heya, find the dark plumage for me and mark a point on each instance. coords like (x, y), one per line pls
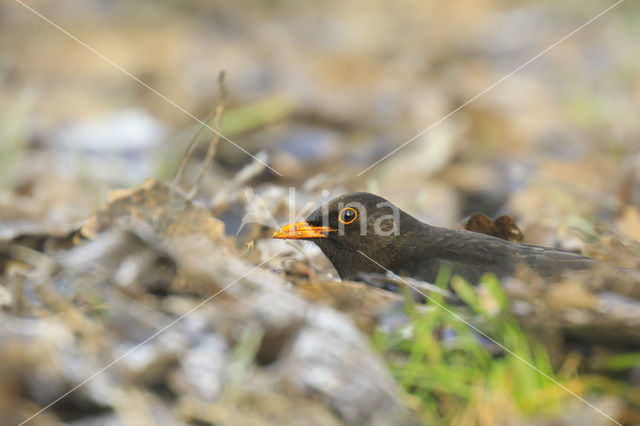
(383, 236)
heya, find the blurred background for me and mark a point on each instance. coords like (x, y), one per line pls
(323, 90)
(320, 92)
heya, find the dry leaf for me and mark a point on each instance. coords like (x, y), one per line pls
(503, 227)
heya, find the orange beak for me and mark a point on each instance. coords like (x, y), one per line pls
(301, 230)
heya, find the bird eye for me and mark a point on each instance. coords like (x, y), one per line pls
(347, 215)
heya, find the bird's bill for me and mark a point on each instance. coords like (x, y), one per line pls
(300, 230)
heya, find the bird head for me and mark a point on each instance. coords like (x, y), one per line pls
(352, 223)
(355, 217)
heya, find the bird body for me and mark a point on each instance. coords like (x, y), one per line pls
(363, 233)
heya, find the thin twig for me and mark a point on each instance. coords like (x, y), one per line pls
(189, 152)
(213, 144)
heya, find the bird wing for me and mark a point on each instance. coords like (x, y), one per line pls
(549, 262)
(472, 254)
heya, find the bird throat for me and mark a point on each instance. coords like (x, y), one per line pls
(348, 263)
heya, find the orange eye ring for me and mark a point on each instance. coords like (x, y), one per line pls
(343, 212)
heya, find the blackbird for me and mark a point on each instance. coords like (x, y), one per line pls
(363, 233)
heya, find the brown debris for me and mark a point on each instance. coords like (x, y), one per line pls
(360, 301)
(503, 227)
